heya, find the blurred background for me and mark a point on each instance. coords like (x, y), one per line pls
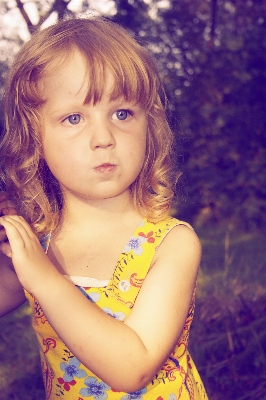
(212, 58)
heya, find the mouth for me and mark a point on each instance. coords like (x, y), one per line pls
(106, 167)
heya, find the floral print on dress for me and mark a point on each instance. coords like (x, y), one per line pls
(172, 396)
(49, 343)
(135, 395)
(39, 317)
(134, 244)
(94, 297)
(66, 385)
(149, 236)
(120, 316)
(66, 379)
(95, 389)
(44, 241)
(72, 370)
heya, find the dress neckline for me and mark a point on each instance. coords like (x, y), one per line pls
(85, 281)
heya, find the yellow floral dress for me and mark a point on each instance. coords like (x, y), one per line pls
(66, 378)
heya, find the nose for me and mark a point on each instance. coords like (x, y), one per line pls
(102, 135)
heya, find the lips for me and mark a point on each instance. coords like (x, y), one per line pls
(106, 167)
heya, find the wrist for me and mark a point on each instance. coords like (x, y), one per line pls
(44, 281)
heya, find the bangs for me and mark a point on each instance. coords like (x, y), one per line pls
(131, 80)
(106, 48)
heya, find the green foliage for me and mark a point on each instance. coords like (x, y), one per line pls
(212, 57)
(20, 374)
(216, 84)
(228, 337)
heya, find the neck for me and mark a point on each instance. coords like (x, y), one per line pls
(80, 211)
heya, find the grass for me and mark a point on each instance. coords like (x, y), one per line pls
(228, 336)
(20, 373)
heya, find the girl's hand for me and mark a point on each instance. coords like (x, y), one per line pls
(7, 207)
(31, 264)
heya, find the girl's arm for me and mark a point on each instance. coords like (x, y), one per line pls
(124, 355)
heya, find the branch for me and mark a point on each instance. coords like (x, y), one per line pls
(25, 16)
(213, 23)
(60, 6)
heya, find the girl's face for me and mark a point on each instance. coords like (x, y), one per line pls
(94, 151)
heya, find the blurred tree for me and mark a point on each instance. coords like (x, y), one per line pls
(45, 9)
(214, 64)
(211, 54)
(132, 14)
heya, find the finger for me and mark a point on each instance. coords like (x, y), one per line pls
(16, 239)
(4, 199)
(6, 249)
(9, 211)
(2, 234)
(7, 207)
(21, 225)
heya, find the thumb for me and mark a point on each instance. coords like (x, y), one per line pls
(6, 249)
(9, 211)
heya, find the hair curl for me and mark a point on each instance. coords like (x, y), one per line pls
(106, 47)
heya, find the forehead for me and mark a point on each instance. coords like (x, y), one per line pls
(71, 77)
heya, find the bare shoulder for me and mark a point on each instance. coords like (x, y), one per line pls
(182, 234)
(182, 246)
(170, 281)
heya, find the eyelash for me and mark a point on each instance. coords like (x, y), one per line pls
(71, 116)
(128, 113)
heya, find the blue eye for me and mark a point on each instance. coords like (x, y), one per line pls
(74, 119)
(122, 114)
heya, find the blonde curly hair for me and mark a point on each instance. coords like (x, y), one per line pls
(106, 47)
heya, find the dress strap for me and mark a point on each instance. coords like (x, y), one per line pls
(136, 259)
(45, 241)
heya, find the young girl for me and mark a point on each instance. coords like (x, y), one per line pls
(87, 160)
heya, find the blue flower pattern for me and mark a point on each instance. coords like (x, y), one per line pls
(135, 395)
(93, 296)
(95, 389)
(134, 244)
(71, 370)
(116, 315)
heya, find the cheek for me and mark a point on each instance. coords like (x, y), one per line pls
(143, 146)
(59, 152)
(139, 145)
(137, 148)
(58, 160)
(137, 154)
